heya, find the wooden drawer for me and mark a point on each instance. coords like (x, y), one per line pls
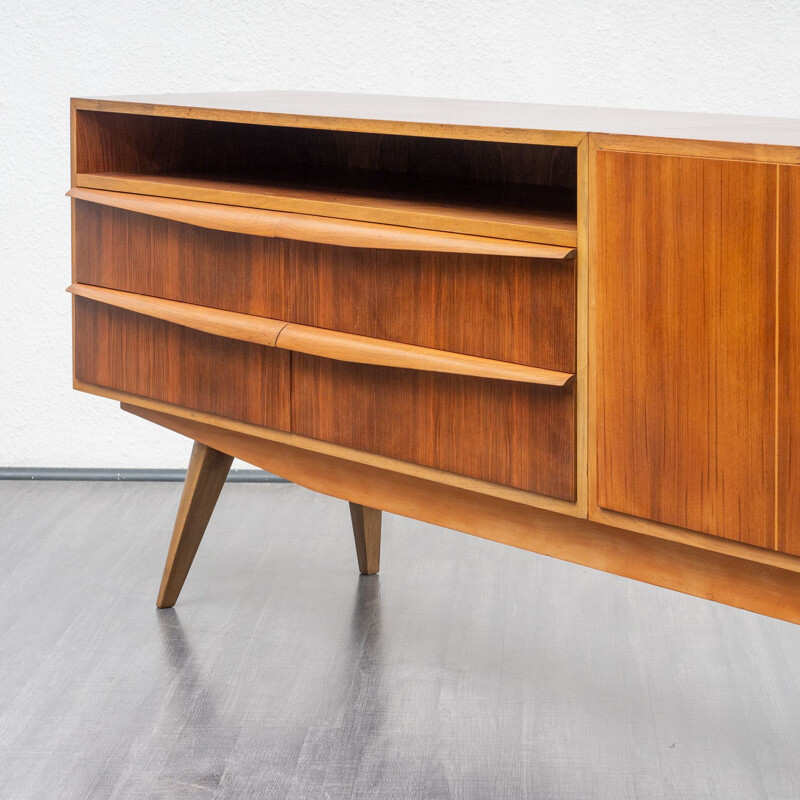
(134, 353)
(510, 433)
(503, 431)
(506, 308)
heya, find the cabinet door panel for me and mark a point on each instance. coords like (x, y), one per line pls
(789, 363)
(685, 325)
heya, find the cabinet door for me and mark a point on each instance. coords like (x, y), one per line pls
(685, 357)
(789, 363)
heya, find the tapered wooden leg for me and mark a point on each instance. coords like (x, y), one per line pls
(367, 532)
(205, 478)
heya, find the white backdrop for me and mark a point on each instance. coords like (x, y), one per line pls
(737, 56)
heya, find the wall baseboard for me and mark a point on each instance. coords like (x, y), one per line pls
(159, 475)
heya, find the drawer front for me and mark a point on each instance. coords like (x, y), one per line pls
(145, 356)
(514, 434)
(506, 308)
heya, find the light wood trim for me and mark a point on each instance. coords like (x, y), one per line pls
(660, 530)
(438, 476)
(582, 330)
(205, 478)
(591, 382)
(787, 531)
(73, 161)
(319, 341)
(433, 130)
(73, 144)
(697, 148)
(230, 324)
(367, 535)
(365, 350)
(777, 350)
(457, 119)
(724, 577)
(322, 230)
(462, 215)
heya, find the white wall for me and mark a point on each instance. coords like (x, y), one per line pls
(738, 56)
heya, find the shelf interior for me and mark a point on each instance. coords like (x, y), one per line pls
(543, 214)
(509, 191)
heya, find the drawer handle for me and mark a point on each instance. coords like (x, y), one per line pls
(319, 341)
(322, 230)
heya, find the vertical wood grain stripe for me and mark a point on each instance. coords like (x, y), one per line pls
(788, 530)
(776, 429)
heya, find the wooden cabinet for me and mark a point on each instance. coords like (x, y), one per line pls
(686, 321)
(573, 331)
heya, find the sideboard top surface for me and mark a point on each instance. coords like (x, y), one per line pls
(420, 115)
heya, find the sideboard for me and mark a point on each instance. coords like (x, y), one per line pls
(570, 330)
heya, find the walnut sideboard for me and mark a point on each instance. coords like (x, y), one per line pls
(571, 330)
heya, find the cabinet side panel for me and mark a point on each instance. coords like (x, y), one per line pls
(788, 535)
(686, 342)
(126, 142)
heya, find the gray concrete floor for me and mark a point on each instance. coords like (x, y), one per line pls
(465, 670)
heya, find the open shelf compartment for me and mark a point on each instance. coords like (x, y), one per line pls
(502, 190)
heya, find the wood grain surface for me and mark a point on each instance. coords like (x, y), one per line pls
(367, 534)
(430, 474)
(205, 478)
(322, 230)
(228, 324)
(508, 309)
(379, 352)
(685, 325)
(475, 427)
(515, 434)
(318, 341)
(693, 539)
(149, 357)
(123, 142)
(788, 429)
(506, 210)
